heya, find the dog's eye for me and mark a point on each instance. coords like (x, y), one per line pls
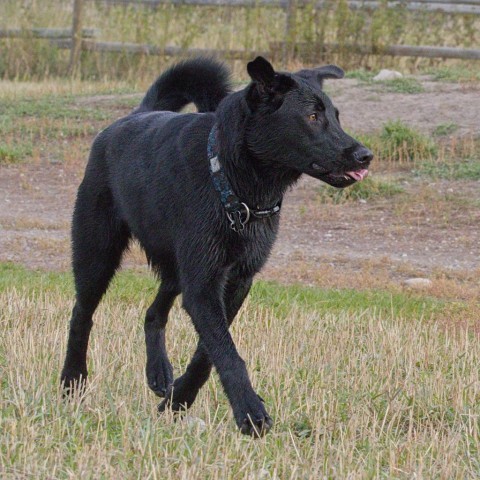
(313, 117)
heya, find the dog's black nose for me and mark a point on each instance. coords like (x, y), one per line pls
(363, 155)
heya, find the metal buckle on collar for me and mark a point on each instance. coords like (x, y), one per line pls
(268, 212)
(237, 223)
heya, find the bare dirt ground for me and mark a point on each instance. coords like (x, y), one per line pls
(432, 230)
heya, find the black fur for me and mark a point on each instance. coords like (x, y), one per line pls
(148, 178)
(201, 81)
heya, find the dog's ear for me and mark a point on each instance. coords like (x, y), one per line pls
(268, 87)
(329, 71)
(318, 75)
(262, 72)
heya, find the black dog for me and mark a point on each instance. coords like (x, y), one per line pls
(201, 192)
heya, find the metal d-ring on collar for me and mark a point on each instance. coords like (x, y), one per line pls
(238, 223)
(238, 212)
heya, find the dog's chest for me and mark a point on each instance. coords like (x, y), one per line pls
(251, 247)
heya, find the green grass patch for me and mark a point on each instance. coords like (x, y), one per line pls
(397, 134)
(397, 85)
(130, 287)
(127, 286)
(283, 298)
(66, 107)
(444, 129)
(51, 107)
(461, 169)
(455, 74)
(14, 153)
(362, 75)
(30, 121)
(19, 277)
(404, 85)
(368, 189)
(398, 142)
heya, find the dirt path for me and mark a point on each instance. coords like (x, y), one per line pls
(431, 230)
(366, 107)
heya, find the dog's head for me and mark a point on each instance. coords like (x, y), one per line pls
(294, 123)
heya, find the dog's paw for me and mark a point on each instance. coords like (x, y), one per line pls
(252, 419)
(160, 377)
(73, 383)
(256, 427)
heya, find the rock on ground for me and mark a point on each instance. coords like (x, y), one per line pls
(418, 283)
(387, 75)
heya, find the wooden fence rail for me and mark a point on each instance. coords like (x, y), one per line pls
(446, 6)
(47, 33)
(167, 51)
(302, 50)
(391, 50)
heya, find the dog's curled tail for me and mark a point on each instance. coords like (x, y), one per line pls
(203, 81)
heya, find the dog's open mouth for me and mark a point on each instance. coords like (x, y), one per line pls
(342, 180)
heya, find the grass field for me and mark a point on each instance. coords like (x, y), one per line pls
(361, 384)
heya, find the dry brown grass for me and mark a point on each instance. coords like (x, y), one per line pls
(32, 223)
(13, 89)
(356, 394)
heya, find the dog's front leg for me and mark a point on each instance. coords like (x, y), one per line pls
(186, 388)
(205, 306)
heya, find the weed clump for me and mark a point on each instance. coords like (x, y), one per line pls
(445, 129)
(399, 143)
(404, 85)
(13, 153)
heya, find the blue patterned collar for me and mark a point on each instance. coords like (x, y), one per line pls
(238, 212)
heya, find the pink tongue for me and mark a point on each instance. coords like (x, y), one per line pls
(358, 175)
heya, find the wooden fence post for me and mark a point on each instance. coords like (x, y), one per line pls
(76, 43)
(290, 32)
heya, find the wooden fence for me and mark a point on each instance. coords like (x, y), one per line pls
(79, 38)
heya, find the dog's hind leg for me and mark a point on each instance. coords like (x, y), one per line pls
(159, 370)
(186, 387)
(99, 240)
